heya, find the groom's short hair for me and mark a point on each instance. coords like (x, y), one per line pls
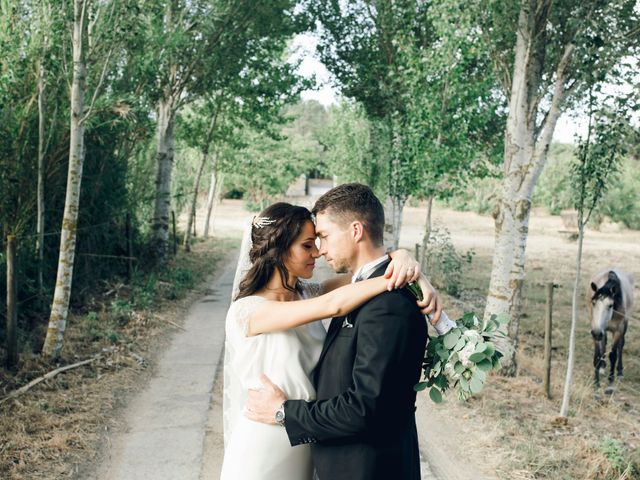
(353, 201)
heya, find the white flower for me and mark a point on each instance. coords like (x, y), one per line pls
(472, 335)
(465, 353)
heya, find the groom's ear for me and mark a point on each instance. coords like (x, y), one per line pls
(357, 231)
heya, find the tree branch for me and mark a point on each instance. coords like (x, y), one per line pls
(98, 87)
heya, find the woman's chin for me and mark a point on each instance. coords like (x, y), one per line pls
(307, 274)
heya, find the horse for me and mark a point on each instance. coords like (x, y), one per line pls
(610, 298)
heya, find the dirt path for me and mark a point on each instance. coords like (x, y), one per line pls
(165, 423)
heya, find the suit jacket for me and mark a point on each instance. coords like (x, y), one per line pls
(362, 425)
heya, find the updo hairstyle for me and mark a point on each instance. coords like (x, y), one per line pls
(270, 246)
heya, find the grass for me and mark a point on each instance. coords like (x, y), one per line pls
(55, 430)
(602, 437)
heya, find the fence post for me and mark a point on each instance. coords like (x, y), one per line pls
(175, 239)
(12, 303)
(418, 252)
(129, 234)
(547, 339)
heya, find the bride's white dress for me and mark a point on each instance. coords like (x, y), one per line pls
(254, 451)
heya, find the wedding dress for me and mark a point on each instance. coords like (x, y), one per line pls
(254, 451)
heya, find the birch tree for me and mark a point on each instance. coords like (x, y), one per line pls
(85, 34)
(559, 47)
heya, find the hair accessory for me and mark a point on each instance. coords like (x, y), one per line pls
(260, 222)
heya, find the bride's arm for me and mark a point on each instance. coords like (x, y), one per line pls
(402, 269)
(278, 316)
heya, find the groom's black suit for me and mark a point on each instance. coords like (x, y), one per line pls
(362, 425)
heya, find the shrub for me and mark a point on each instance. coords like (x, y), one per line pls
(444, 264)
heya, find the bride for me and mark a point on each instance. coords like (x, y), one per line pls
(272, 328)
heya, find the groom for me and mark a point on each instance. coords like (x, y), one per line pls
(362, 425)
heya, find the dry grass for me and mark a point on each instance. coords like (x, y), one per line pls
(55, 429)
(601, 438)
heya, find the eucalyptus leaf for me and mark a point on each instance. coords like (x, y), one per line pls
(485, 365)
(418, 387)
(475, 385)
(477, 357)
(435, 395)
(464, 384)
(451, 339)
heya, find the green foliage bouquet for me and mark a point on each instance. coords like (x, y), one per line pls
(462, 357)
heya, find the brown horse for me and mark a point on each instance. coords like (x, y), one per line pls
(610, 302)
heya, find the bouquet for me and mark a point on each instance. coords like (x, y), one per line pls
(462, 357)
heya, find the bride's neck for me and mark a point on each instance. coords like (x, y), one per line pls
(275, 289)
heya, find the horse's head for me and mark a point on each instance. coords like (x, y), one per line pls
(604, 301)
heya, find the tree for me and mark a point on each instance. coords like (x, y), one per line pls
(202, 46)
(597, 159)
(101, 46)
(423, 87)
(561, 49)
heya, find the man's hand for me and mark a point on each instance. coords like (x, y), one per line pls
(263, 404)
(402, 269)
(431, 302)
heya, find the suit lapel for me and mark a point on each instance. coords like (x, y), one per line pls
(332, 333)
(336, 322)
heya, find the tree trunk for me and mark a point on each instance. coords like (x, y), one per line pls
(60, 308)
(526, 148)
(397, 196)
(218, 194)
(40, 194)
(393, 221)
(210, 197)
(194, 202)
(164, 160)
(196, 182)
(566, 397)
(215, 186)
(427, 235)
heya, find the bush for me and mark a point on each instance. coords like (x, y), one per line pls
(480, 196)
(444, 264)
(553, 189)
(621, 203)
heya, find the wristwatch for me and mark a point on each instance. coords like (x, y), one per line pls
(280, 415)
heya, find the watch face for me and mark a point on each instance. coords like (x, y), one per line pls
(279, 416)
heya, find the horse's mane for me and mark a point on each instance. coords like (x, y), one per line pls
(611, 289)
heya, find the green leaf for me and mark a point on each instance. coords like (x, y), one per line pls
(418, 387)
(496, 362)
(477, 357)
(435, 395)
(481, 347)
(485, 365)
(480, 375)
(476, 385)
(451, 338)
(490, 350)
(458, 367)
(460, 345)
(464, 384)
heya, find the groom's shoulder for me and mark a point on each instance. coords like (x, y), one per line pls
(399, 300)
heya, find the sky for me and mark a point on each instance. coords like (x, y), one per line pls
(304, 46)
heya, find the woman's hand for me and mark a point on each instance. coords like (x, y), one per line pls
(431, 303)
(403, 269)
